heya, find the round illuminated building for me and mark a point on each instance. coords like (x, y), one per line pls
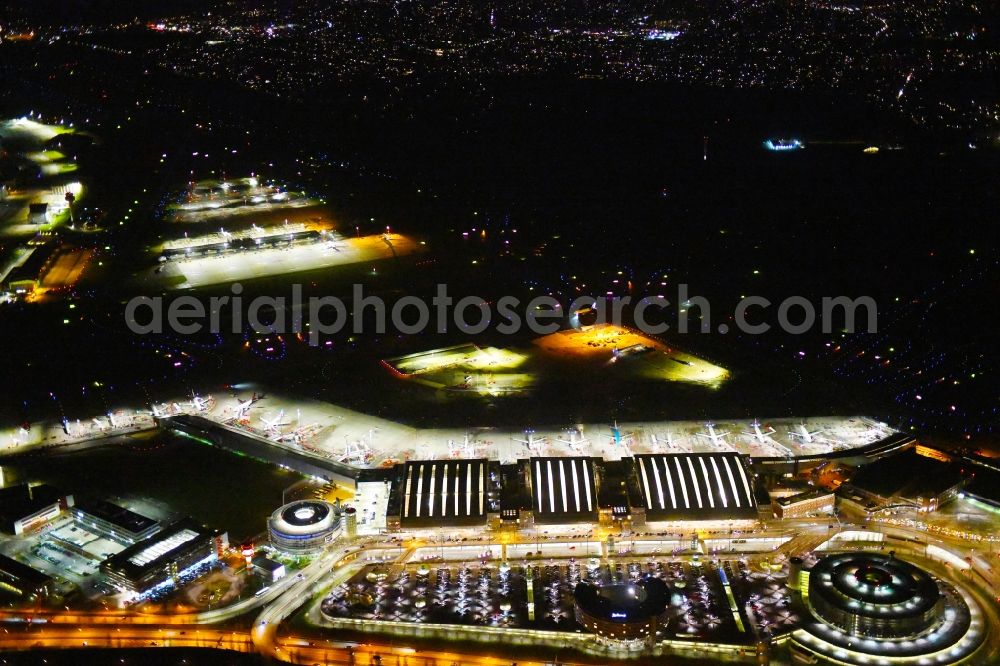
(304, 526)
(866, 594)
(874, 609)
(623, 614)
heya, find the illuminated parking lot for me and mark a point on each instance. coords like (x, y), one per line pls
(633, 352)
(598, 349)
(484, 370)
(538, 595)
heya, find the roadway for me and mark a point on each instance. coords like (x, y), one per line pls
(265, 627)
(26, 629)
(50, 636)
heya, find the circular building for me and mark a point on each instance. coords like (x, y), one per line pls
(304, 526)
(869, 609)
(623, 613)
(873, 595)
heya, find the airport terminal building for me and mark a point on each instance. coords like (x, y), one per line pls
(643, 489)
(919, 477)
(694, 487)
(443, 493)
(563, 490)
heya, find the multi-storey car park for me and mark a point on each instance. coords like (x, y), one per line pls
(874, 608)
(304, 526)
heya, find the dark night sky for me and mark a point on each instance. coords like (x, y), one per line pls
(85, 11)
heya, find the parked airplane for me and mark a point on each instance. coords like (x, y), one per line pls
(617, 436)
(533, 443)
(467, 449)
(273, 424)
(801, 432)
(716, 437)
(660, 441)
(243, 406)
(760, 434)
(357, 451)
(198, 403)
(113, 421)
(576, 439)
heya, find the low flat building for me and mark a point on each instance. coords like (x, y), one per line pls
(164, 556)
(983, 480)
(272, 570)
(114, 522)
(514, 498)
(617, 490)
(909, 478)
(810, 502)
(25, 277)
(848, 499)
(38, 213)
(23, 580)
(24, 508)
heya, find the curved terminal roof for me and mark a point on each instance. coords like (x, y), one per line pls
(563, 490)
(444, 492)
(696, 486)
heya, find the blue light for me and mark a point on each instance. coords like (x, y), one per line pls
(662, 35)
(782, 145)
